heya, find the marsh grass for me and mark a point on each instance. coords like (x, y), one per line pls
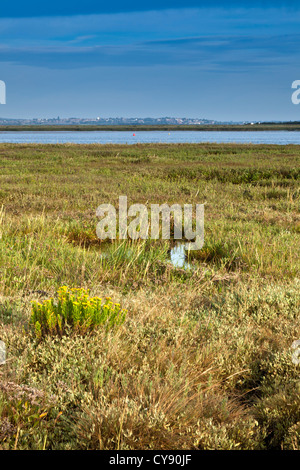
(203, 359)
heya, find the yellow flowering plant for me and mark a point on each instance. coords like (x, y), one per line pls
(74, 309)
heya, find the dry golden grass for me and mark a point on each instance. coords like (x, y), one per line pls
(203, 360)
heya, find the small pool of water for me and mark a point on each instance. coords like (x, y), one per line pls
(178, 256)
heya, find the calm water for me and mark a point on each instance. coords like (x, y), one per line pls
(124, 137)
(178, 256)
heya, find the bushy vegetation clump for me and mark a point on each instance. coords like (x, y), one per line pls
(74, 309)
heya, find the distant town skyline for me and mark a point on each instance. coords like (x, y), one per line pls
(107, 118)
(167, 120)
(126, 121)
(233, 62)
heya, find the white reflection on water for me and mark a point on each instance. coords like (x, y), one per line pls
(178, 256)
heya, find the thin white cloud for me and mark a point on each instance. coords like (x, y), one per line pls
(128, 27)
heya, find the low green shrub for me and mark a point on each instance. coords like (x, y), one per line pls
(74, 310)
(27, 417)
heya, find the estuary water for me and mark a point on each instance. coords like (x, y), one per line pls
(134, 137)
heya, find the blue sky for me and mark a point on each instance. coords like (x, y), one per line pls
(216, 60)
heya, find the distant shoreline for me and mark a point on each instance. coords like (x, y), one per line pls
(127, 128)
